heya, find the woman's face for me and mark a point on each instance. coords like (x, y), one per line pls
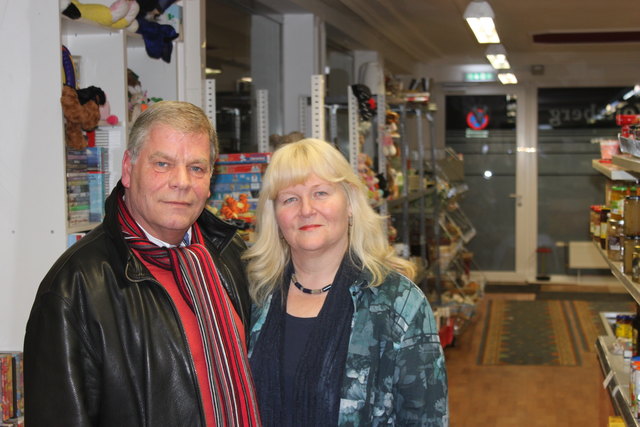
(314, 218)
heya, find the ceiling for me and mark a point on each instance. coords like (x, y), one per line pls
(408, 33)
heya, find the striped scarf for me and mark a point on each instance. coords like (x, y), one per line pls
(234, 402)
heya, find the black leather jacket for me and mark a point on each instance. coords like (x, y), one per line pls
(104, 344)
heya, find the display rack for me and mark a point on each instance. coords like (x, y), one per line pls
(627, 162)
(614, 367)
(612, 171)
(420, 211)
(616, 372)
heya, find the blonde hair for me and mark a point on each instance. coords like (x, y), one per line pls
(293, 164)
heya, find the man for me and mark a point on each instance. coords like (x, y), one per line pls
(143, 322)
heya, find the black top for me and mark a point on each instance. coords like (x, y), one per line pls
(296, 333)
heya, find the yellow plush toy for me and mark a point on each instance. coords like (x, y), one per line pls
(121, 13)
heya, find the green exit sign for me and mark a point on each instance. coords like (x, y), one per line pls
(480, 76)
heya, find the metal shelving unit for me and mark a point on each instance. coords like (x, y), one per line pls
(616, 372)
(615, 368)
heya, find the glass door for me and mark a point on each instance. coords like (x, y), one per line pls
(482, 130)
(571, 124)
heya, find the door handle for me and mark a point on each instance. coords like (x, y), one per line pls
(518, 198)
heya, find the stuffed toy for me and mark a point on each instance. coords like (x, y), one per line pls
(368, 176)
(79, 116)
(366, 103)
(233, 209)
(158, 38)
(105, 114)
(121, 13)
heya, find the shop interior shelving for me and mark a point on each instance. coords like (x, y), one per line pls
(615, 367)
(616, 371)
(422, 212)
(627, 162)
(612, 171)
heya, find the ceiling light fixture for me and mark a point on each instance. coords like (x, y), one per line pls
(507, 78)
(479, 16)
(497, 56)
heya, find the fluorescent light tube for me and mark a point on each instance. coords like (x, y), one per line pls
(497, 56)
(507, 78)
(479, 16)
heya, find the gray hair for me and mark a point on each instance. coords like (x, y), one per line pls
(181, 116)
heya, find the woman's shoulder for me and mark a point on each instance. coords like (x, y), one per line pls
(400, 293)
(397, 285)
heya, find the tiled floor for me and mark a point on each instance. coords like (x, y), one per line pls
(500, 396)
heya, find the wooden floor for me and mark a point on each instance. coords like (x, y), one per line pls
(528, 396)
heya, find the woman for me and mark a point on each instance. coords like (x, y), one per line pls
(340, 334)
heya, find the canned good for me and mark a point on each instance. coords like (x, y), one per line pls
(616, 202)
(594, 222)
(628, 244)
(635, 269)
(604, 219)
(632, 216)
(614, 239)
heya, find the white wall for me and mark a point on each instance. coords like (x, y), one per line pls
(31, 158)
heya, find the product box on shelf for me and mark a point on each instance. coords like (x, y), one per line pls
(227, 178)
(96, 196)
(236, 187)
(74, 237)
(17, 383)
(241, 168)
(97, 159)
(234, 158)
(11, 386)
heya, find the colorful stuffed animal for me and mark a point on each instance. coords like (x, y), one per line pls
(121, 13)
(78, 116)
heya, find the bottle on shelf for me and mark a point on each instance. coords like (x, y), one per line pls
(604, 220)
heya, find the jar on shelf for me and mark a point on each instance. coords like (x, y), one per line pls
(630, 242)
(635, 272)
(604, 221)
(632, 215)
(616, 202)
(615, 237)
(594, 222)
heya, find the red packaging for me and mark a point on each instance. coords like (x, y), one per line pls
(627, 119)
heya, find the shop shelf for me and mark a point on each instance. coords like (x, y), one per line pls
(627, 161)
(616, 268)
(612, 171)
(616, 372)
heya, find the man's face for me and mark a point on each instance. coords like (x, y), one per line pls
(168, 185)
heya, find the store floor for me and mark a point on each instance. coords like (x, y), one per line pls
(514, 395)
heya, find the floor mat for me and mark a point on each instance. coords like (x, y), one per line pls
(528, 333)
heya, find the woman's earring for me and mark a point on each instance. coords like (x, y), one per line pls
(350, 221)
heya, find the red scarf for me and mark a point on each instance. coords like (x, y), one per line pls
(233, 395)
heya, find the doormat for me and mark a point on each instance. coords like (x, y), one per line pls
(527, 333)
(589, 322)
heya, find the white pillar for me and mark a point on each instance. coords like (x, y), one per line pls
(303, 53)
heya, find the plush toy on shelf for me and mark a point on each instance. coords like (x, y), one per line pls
(369, 177)
(79, 116)
(121, 14)
(137, 96)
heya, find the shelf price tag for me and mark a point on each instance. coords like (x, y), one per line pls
(607, 379)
